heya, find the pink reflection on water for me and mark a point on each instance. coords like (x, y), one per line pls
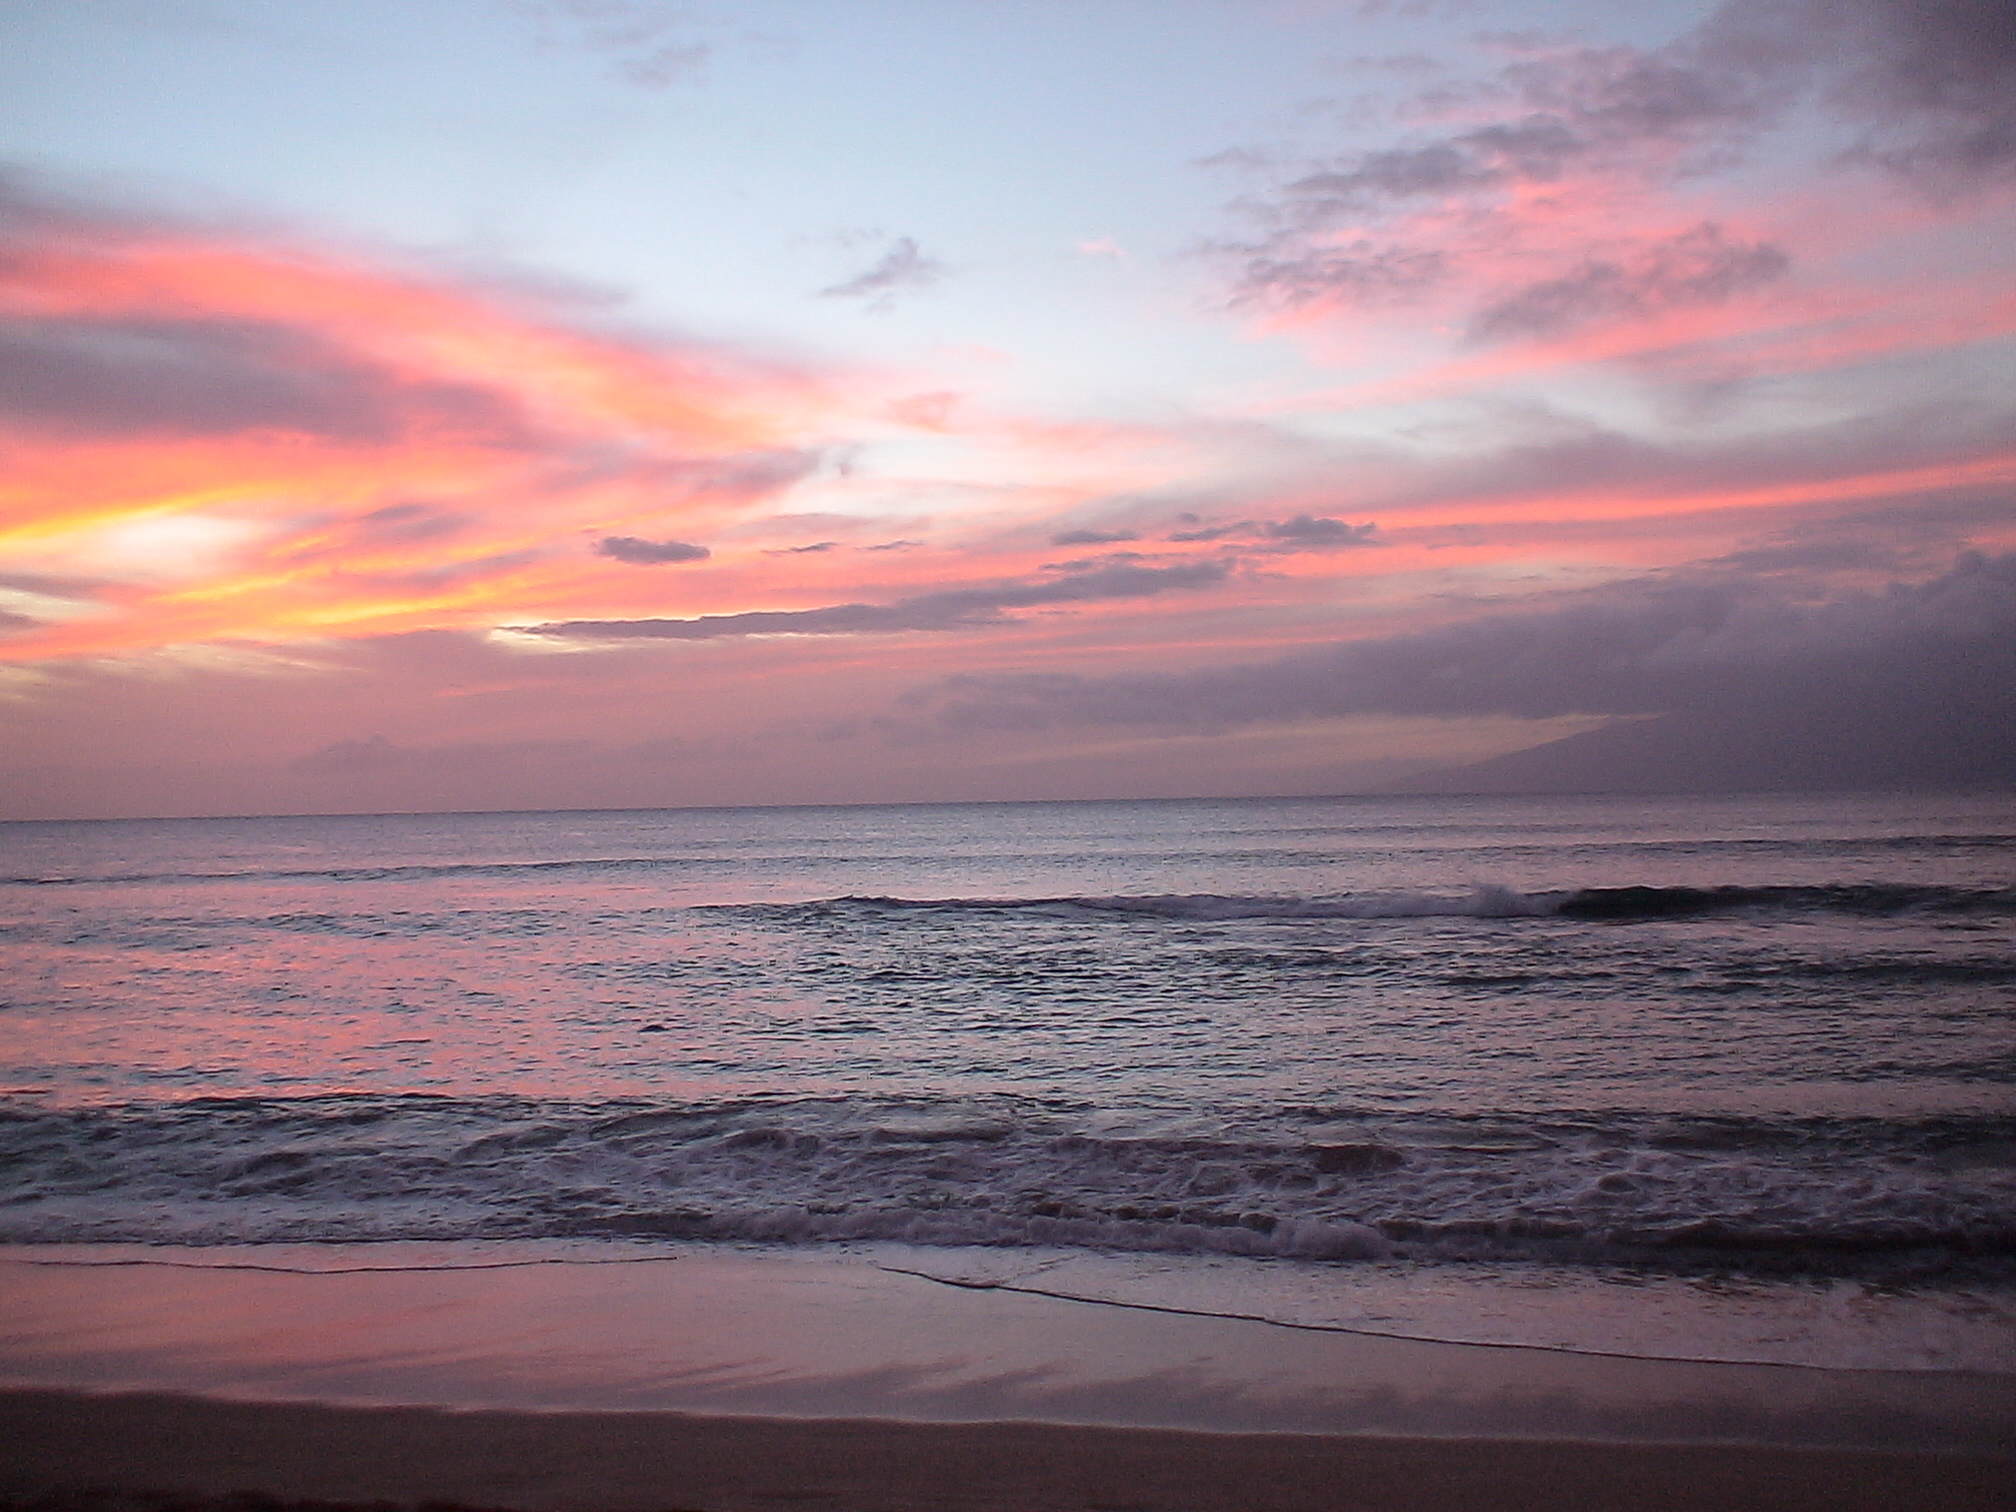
(467, 995)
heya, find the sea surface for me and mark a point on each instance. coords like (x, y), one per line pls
(1620, 1050)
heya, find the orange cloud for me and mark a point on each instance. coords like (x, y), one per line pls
(235, 438)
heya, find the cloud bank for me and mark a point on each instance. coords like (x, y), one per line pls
(1732, 648)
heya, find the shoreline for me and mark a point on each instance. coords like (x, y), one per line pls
(710, 1330)
(711, 1380)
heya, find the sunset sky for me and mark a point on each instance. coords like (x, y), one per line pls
(485, 404)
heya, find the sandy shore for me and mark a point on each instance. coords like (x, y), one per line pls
(720, 1381)
(655, 1462)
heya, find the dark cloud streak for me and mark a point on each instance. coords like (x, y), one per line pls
(952, 609)
(642, 553)
(1092, 537)
(118, 376)
(1301, 533)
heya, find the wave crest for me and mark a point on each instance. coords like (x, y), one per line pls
(1484, 901)
(1785, 1194)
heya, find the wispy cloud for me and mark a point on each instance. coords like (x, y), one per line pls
(1565, 189)
(645, 44)
(903, 269)
(949, 609)
(1699, 266)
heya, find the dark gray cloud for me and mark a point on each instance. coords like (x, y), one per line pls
(902, 269)
(1537, 148)
(1937, 76)
(1927, 742)
(815, 548)
(642, 553)
(1093, 564)
(1700, 266)
(1615, 106)
(1215, 532)
(1708, 644)
(953, 609)
(1828, 554)
(1092, 537)
(1300, 533)
(1314, 533)
(1360, 273)
(1936, 81)
(1903, 540)
(210, 377)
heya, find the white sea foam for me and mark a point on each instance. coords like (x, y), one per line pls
(1481, 902)
(1817, 1195)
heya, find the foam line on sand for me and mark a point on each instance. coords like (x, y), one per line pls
(724, 1380)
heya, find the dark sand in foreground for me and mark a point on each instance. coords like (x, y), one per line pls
(655, 1462)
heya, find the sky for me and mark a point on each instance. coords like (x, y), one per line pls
(507, 404)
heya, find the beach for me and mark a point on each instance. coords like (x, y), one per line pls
(656, 1462)
(721, 1380)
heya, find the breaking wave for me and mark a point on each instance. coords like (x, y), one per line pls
(1484, 902)
(1841, 1196)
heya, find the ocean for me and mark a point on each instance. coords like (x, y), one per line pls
(1717, 1077)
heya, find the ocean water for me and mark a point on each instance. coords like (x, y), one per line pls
(1626, 1049)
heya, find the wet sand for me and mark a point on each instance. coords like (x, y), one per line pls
(724, 1380)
